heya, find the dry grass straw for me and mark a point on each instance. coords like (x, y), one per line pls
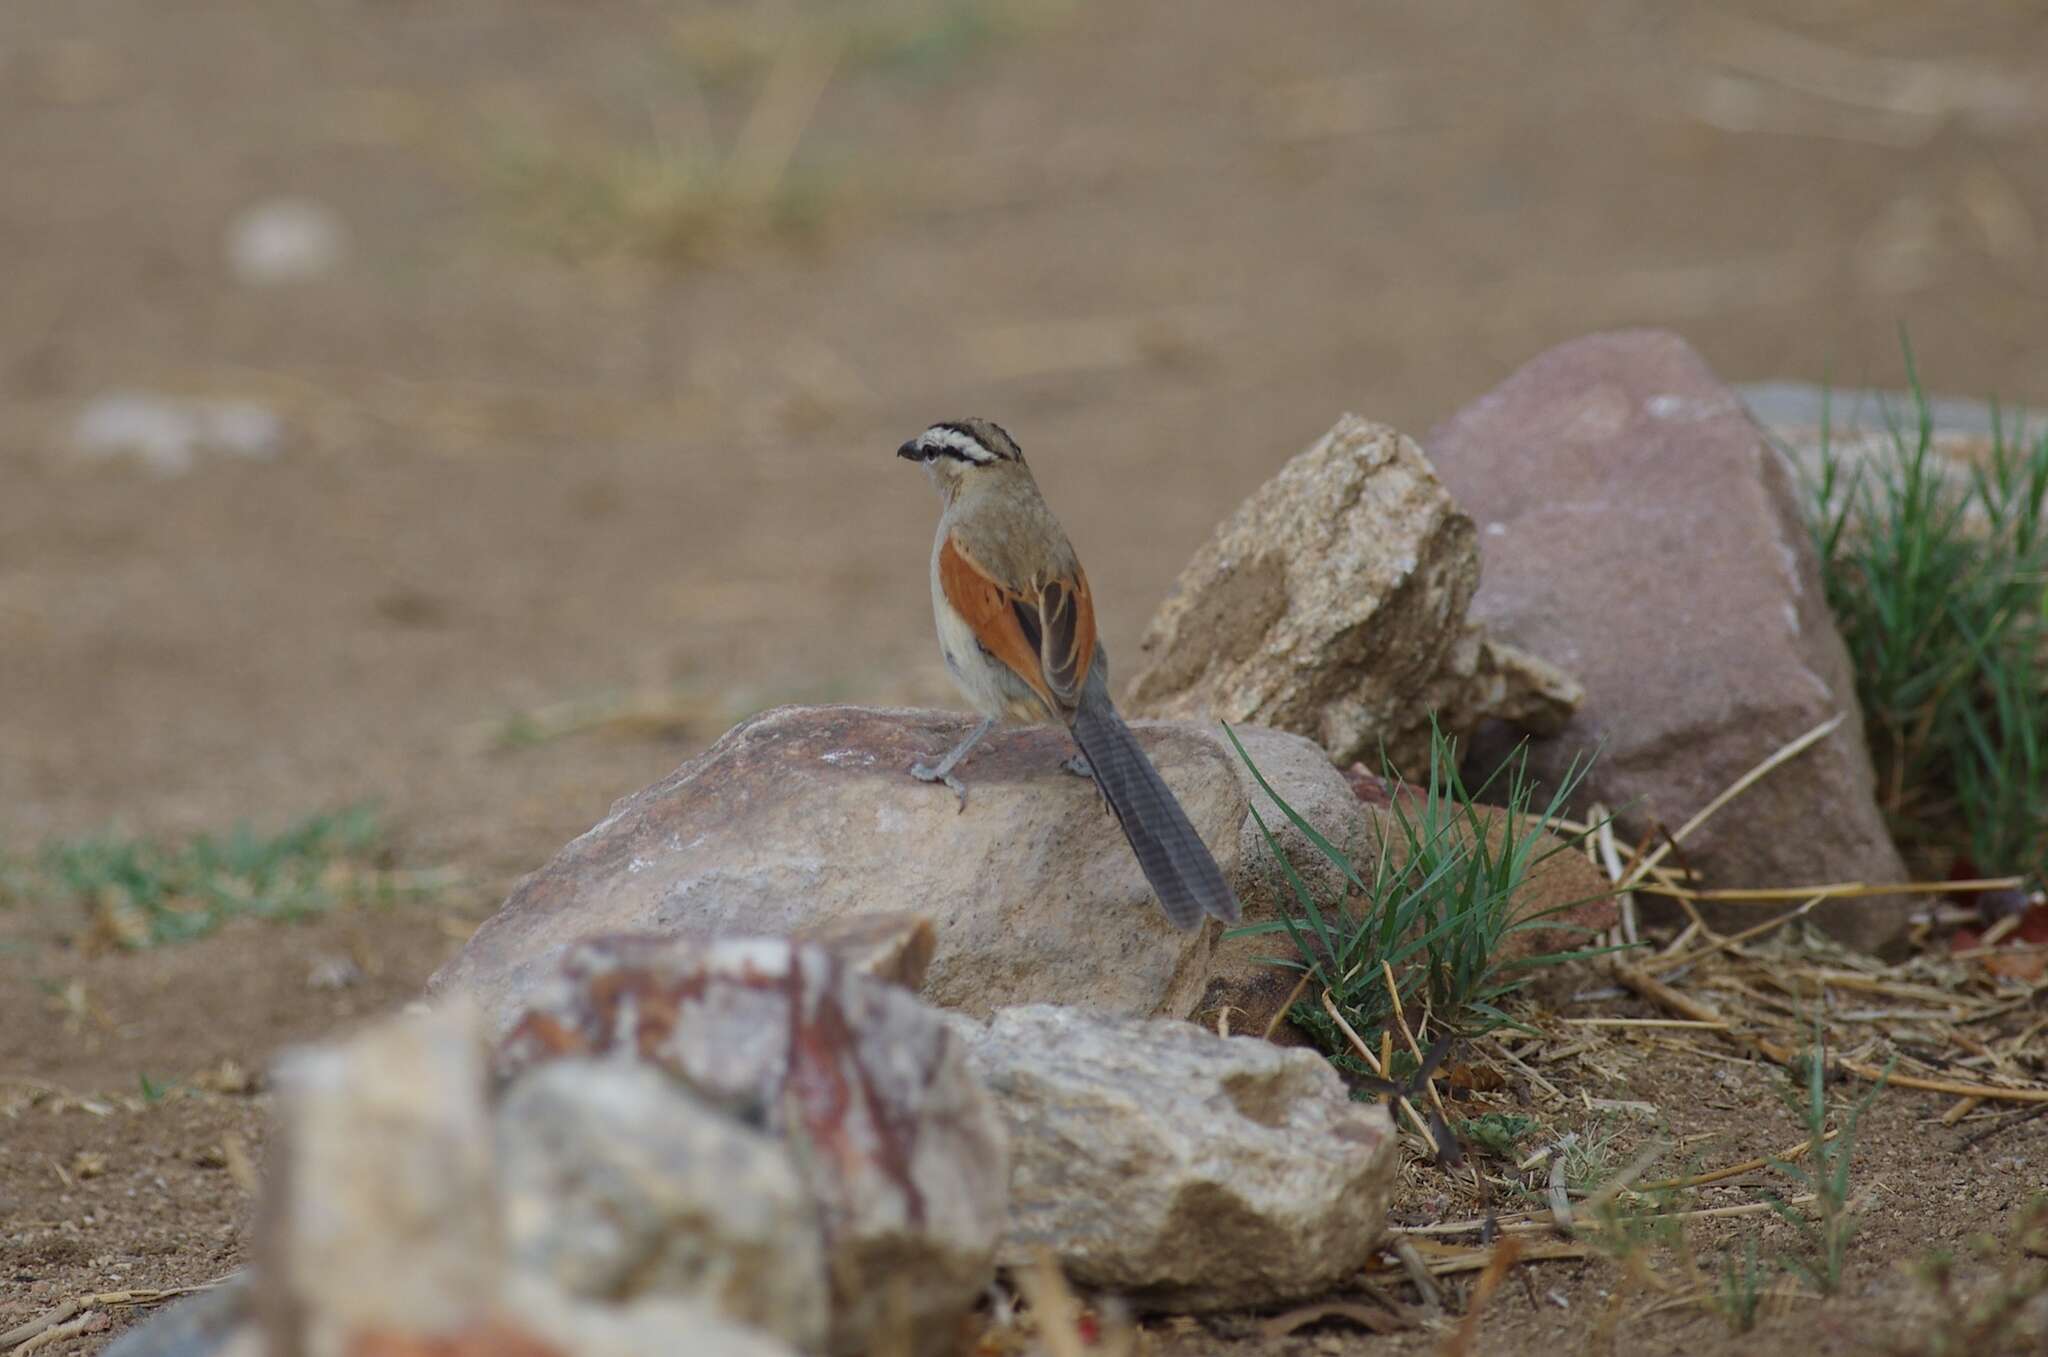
(1505, 1255)
(80, 1315)
(1929, 1022)
(1779, 991)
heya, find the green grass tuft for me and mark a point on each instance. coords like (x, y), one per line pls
(1825, 1241)
(142, 892)
(1740, 1291)
(1496, 1133)
(1442, 899)
(679, 206)
(1940, 587)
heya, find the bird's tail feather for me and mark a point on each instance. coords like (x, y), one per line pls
(1176, 862)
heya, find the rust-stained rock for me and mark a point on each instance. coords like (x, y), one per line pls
(894, 948)
(898, 1145)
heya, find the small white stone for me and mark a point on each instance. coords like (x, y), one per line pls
(167, 433)
(285, 240)
(241, 427)
(159, 433)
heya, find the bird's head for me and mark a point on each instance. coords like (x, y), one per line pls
(958, 451)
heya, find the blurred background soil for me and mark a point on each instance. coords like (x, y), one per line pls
(584, 421)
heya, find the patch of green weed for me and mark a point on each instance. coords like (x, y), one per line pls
(1739, 1292)
(1826, 1235)
(1443, 897)
(1940, 587)
(1496, 1133)
(142, 891)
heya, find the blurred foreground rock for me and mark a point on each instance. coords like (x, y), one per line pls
(1640, 531)
(805, 820)
(1182, 1169)
(215, 1323)
(381, 1219)
(742, 1150)
(619, 1184)
(1333, 604)
(893, 1139)
(382, 1227)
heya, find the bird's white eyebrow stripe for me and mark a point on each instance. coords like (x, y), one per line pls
(968, 446)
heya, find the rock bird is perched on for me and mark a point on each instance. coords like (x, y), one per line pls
(1017, 628)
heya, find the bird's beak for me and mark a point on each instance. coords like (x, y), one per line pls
(911, 451)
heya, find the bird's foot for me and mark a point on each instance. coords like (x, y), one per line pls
(1079, 766)
(941, 773)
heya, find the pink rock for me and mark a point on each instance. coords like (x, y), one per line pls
(1637, 530)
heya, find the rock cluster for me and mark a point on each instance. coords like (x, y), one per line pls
(747, 1147)
(695, 1088)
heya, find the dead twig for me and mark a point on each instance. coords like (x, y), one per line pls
(42, 1323)
(14, 1341)
(1838, 890)
(1972, 1141)
(1419, 1273)
(1459, 1343)
(1954, 1087)
(1737, 1170)
(1671, 963)
(1377, 1066)
(1287, 1005)
(92, 1321)
(1446, 1262)
(1657, 992)
(1736, 788)
(1376, 1321)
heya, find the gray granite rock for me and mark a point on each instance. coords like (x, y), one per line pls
(1185, 1170)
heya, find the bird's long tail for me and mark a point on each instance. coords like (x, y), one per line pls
(1176, 862)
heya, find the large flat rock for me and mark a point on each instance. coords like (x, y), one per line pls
(805, 817)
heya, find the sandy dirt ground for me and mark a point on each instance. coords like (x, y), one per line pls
(595, 413)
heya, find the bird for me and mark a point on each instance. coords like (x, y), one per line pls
(1016, 623)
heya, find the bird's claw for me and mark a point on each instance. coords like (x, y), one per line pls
(926, 773)
(1079, 766)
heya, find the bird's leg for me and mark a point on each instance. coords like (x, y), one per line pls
(943, 770)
